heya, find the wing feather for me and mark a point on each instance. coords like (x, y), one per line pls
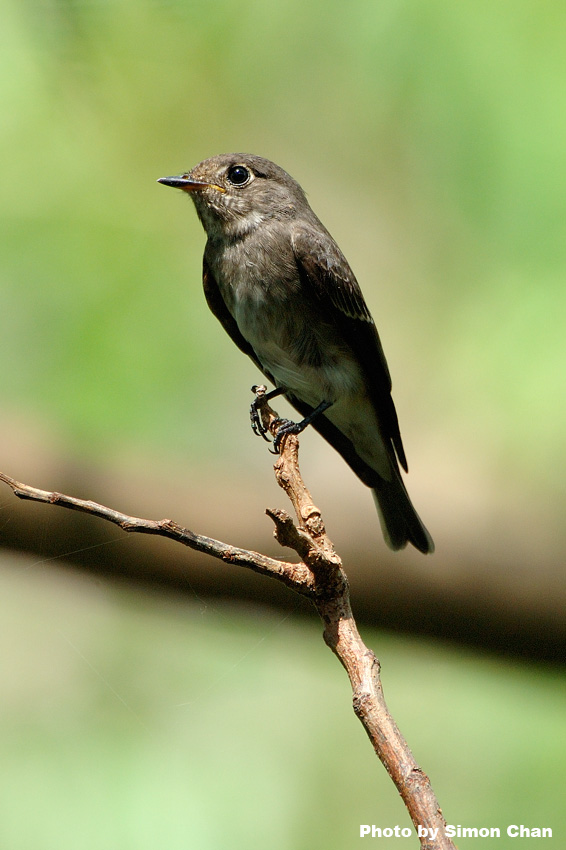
(325, 271)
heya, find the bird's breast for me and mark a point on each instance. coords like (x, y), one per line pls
(284, 326)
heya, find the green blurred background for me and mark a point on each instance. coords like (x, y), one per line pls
(431, 139)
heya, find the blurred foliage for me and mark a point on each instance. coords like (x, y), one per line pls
(135, 722)
(430, 137)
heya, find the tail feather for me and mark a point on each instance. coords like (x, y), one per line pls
(399, 521)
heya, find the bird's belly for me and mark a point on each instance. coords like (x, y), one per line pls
(305, 358)
(330, 376)
(339, 380)
(299, 350)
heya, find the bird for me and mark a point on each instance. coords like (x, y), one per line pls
(286, 295)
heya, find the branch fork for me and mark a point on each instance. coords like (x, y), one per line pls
(319, 575)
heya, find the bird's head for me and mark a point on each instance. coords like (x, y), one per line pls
(234, 193)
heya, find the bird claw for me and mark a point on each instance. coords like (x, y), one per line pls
(280, 427)
(255, 416)
(284, 428)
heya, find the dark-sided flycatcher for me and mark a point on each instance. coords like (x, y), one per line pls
(285, 293)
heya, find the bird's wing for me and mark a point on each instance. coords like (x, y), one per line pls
(325, 272)
(218, 306)
(329, 431)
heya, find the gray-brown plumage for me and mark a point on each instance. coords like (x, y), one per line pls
(285, 293)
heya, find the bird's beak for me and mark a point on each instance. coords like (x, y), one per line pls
(187, 184)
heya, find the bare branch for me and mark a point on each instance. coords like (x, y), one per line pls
(332, 601)
(319, 576)
(296, 576)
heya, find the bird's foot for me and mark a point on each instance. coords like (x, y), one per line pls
(284, 428)
(261, 398)
(255, 415)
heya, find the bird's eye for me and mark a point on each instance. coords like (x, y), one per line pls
(238, 175)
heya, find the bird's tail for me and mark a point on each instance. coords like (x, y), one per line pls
(399, 520)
